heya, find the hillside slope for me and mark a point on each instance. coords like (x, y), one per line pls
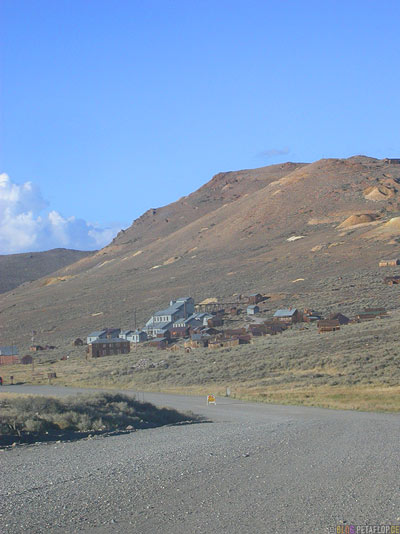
(277, 230)
(15, 269)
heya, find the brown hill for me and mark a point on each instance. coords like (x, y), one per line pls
(243, 231)
(15, 269)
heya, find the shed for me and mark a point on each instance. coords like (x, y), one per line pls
(328, 325)
(255, 298)
(159, 342)
(252, 309)
(27, 359)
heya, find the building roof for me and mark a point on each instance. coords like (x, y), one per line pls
(125, 332)
(253, 307)
(9, 350)
(171, 309)
(162, 325)
(254, 294)
(97, 333)
(112, 340)
(285, 312)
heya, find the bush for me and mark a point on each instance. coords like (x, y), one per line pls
(83, 413)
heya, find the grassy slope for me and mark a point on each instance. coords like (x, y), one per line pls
(357, 367)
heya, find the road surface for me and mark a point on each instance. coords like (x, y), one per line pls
(255, 468)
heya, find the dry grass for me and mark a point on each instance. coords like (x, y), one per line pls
(24, 417)
(357, 367)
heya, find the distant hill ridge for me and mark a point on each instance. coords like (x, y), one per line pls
(15, 269)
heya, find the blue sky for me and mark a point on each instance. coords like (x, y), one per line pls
(112, 108)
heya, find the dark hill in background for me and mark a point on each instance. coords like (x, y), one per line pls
(306, 234)
(15, 269)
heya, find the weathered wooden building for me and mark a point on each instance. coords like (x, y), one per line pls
(179, 331)
(9, 359)
(328, 325)
(197, 341)
(215, 321)
(288, 316)
(255, 298)
(107, 347)
(159, 342)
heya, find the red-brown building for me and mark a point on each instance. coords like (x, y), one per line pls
(255, 298)
(8, 360)
(9, 355)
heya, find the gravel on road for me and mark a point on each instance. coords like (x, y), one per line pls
(250, 468)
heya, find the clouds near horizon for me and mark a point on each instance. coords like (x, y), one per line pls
(27, 224)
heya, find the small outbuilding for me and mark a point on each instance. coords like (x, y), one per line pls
(255, 298)
(159, 342)
(328, 325)
(36, 348)
(26, 360)
(252, 309)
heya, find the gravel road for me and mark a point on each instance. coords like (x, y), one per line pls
(253, 468)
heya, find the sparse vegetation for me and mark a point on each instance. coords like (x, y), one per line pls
(25, 417)
(357, 367)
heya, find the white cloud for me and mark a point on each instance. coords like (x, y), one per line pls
(25, 226)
